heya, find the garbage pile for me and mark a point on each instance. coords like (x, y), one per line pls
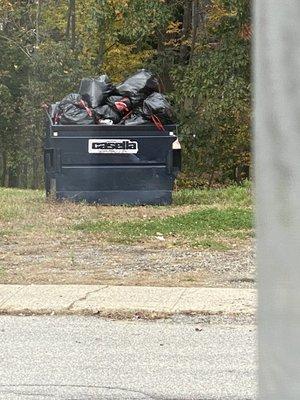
(136, 101)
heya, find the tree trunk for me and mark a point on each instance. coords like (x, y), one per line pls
(199, 9)
(71, 24)
(4, 169)
(101, 49)
(13, 178)
(167, 85)
(37, 23)
(24, 176)
(186, 29)
(195, 25)
(68, 23)
(211, 178)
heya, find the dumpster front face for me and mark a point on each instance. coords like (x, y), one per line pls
(110, 164)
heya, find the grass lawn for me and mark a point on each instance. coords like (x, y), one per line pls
(37, 233)
(190, 227)
(201, 218)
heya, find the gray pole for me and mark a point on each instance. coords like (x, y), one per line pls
(277, 154)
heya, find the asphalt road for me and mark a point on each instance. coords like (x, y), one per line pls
(86, 358)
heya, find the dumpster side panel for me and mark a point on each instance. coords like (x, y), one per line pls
(114, 178)
(110, 165)
(151, 150)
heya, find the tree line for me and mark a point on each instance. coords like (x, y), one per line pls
(199, 48)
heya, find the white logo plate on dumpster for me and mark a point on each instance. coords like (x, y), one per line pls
(113, 146)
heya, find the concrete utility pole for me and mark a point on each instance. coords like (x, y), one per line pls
(277, 148)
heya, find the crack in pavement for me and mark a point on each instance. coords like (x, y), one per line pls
(179, 298)
(69, 308)
(92, 397)
(119, 388)
(2, 303)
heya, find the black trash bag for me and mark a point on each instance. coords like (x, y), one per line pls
(137, 118)
(120, 103)
(157, 106)
(75, 115)
(73, 98)
(107, 112)
(138, 86)
(73, 110)
(95, 90)
(114, 98)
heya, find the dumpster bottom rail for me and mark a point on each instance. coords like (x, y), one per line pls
(124, 197)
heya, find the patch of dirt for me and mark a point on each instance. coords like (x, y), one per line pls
(84, 259)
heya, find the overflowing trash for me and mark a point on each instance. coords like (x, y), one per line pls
(156, 106)
(136, 119)
(95, 90)
(107, 112)
(122, 104)
(136, 101)
(139, 86)
(73, 110)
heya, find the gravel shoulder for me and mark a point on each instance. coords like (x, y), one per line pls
(80, 262)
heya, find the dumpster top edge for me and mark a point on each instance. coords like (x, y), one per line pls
(145, 127)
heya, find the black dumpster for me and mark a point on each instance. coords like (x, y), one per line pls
(111, 164)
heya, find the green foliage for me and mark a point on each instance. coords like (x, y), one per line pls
(212, 92)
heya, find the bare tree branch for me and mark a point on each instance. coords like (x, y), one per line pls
(16, 44)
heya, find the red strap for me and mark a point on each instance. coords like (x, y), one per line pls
(157, 122)
(121, 106)
(125, 117)
(87, 109)
(56, 119)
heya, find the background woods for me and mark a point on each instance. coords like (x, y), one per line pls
(200, 48)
